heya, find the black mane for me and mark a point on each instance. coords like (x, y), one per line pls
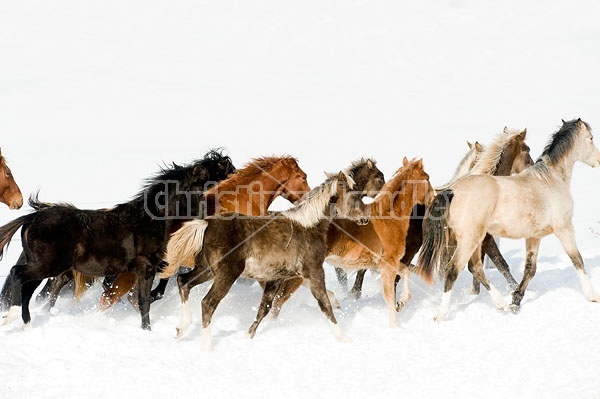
(561, 142)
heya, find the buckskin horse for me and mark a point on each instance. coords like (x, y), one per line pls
(531, 205)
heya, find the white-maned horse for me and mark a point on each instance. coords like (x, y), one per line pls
(530, 205)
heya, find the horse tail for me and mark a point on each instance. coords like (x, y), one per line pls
(80, 280)
(435, 235)
(183, 246)
(8, 230)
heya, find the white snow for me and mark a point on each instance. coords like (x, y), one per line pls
(94, 95)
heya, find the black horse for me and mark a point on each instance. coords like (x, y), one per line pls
(130, 237)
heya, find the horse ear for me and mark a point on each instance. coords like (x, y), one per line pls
(200, 172)
(420, 163)
(478, 147)
(523, 134)
(506, 131)
(0, 152)
(563, 121)
(580, 124)
(405, 161)
(469, 144)
(369, 164)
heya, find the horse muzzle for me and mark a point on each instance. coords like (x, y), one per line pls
(362, 221)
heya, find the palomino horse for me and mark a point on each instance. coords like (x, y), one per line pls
(368, 180)
(248, 191)
(381, 243)
(131, 237)
(269, 249)
(530, 205)
(507, 154)
(10, 194)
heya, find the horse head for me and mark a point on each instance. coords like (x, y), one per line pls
(294, 187)
(10, 193)
(348, 202)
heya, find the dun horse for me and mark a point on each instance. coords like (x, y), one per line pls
(128, 238)
(381, 243)
(249, 191)
(530, 205)
(507, 154)
(269, 249)
(368, 180)
(10, 194)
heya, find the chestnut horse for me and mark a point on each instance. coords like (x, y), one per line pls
(381, 243)
(10, 194)
(249, 191)
(530, 205)
(269, 249)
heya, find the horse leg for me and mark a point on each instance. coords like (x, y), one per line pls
(476, 269)
(145, 271)
(58, 284)
(532, 246)
(342, 277)
(225, 276)
(27, 291)
(389, 271)
(490, 248)
(315, 275)
(567, 239)
(286, 290)
(270, 290)
(356, 291)
(46, 290)
(404, 298)
(120, 286)
(186, 281)
(159, 291)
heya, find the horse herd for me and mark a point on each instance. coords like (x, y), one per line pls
(214, 219)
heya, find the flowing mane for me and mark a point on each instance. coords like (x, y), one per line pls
(394, 184)
(561, 142)
(252, 169)
(491, 155)
(357, 165)
(311, 210)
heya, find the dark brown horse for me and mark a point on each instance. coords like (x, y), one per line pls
(248, 191)
(270, 249)
(130, 237)
(10, 194)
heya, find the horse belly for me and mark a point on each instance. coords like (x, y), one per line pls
(266, 270)
(353, 262)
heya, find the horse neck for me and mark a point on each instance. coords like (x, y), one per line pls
(563, 169)
(314, 209)
(393, 200)
(504, 167)
(244, 198)
(463, 168)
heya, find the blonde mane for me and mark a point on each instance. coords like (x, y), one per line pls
(491, 155)
(312, 209)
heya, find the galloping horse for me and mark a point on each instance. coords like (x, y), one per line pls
(381, 243)
(368, 180)
(10, 194)
(507, 154)
(270, 249)
(131, 237)
(530, 205)
(248, 191)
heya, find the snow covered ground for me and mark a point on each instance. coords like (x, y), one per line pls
(94, 95)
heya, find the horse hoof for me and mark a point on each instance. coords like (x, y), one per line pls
(515, 308)
(400, 305)
(354, 295)
(27, 327)
(180, 333)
